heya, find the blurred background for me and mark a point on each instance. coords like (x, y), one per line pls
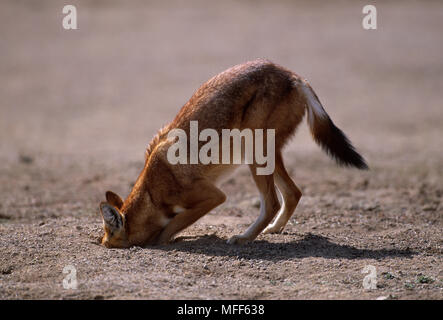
(92, 98)
(104, 89)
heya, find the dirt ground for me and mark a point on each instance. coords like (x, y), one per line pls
(78, 108)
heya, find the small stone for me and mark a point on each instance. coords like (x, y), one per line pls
(6, 270)
(26, 159)
(255, 202)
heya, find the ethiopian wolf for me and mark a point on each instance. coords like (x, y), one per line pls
(169, 196)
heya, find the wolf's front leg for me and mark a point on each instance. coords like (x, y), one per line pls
(201, 198)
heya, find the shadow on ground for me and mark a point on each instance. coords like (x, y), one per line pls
(309, 246)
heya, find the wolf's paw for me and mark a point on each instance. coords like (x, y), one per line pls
(273, 229)
(163, 240)
(240, 239)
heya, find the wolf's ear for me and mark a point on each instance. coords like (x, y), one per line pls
(111, 217)
(114, 199)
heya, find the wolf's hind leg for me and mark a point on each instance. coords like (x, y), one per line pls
(290, 193)
(268, 207)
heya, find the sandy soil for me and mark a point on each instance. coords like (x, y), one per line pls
(77, 109)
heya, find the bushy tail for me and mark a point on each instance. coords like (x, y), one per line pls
(330, 138)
